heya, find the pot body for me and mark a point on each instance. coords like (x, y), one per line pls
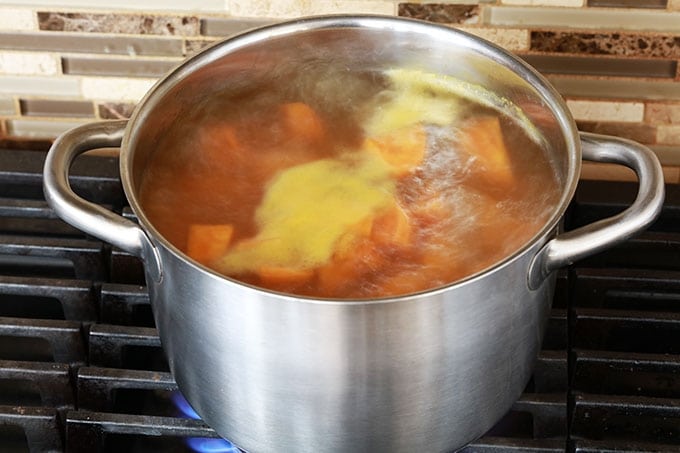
(276, 373)
(424, 372)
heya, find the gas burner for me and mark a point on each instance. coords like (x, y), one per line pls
(82, 370)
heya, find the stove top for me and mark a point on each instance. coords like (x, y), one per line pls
(82, 370)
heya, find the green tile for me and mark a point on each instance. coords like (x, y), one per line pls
(92, 43)
(615, 88)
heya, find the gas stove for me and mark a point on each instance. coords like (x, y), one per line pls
(82, 369)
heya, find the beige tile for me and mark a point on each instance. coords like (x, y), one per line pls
(17, 19)
(674, 5)
(40, 86)
(668, 134)
(56, 108)
(296, 8)
(40, 128)
(569, 3)
(29, 63)
(115, 88)
(612, 172)
(8, 106)
(583, 18)
(630, 112)
(616, 88)
(514, 40)
(662, 113)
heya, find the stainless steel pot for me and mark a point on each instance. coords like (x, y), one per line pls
(424, 372)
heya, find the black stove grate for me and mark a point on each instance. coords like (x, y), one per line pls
(81, 368)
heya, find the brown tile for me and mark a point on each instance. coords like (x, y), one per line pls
(23, 143)
(602, 66)
(642, 133)
(115, 110)
(662, 113)
(612, 172)
(606, 172)
(667, 154)
(92, 43)
(657, 4)
(440, 13)
(58, 108)
(144, 24)
(215, 26)
(125, 67)
(629, 44)
(192, 46)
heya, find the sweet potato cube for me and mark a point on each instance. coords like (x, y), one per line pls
(207, 243)
(302, 122)
(346, 244)
(277, 277)
(484, 139)
(345, 269)
(219, 143)
(392, 227)
(403, 149)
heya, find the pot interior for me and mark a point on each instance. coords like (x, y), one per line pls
(335, 49)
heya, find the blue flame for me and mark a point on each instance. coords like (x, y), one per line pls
(184, 407)
(211, 445)
(201, 444)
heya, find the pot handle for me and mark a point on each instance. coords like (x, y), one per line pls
(595, 237)
(85, 215)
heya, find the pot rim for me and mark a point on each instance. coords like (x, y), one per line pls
(475, 44)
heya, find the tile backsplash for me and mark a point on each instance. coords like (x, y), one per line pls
(68, 62)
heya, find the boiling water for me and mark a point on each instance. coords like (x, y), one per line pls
(369, 224)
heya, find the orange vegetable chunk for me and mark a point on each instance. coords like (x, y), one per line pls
(484, 139)
(206, 243)
(392, 227)
(403, 149)
(303, 123)
(347, 267)
(282, 277)
(220, 143)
